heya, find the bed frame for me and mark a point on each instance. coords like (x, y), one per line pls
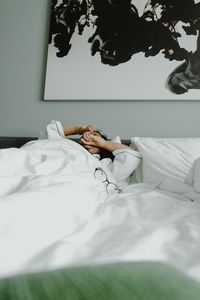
(14, 142)
(17, 142)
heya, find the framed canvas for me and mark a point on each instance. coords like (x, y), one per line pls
(124, 50)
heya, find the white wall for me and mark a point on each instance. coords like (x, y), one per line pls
(23, 47)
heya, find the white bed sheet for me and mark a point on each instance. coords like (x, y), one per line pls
(54, 213)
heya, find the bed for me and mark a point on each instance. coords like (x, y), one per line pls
(63, 237)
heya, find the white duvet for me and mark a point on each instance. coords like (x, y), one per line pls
(54, 213)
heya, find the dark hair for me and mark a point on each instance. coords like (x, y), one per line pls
(103, 152)
(177, 89)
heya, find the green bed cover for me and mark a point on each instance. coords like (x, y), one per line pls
(121, 281)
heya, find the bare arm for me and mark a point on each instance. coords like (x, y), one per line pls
(112, 146)
(71, 129)
(97, 141)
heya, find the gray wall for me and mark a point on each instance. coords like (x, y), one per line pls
(23, 47)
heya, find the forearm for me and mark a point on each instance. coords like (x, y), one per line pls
(70, 129)
(112, 146)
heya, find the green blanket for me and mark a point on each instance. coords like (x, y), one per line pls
(122, 281)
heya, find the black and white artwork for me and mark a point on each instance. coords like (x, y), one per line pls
(124, 50)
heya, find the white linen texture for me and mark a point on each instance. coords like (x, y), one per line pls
(189, 188)
(55, 214)
(166, 157)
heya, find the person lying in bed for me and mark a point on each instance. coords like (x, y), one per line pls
(121, 160)
(94, 141)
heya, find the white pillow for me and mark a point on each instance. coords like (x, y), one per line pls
(163, 157)
(116, 139)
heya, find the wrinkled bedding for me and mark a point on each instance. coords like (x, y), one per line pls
(189, 188)
(55, 214)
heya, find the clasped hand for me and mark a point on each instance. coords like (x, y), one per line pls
(91, 138)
